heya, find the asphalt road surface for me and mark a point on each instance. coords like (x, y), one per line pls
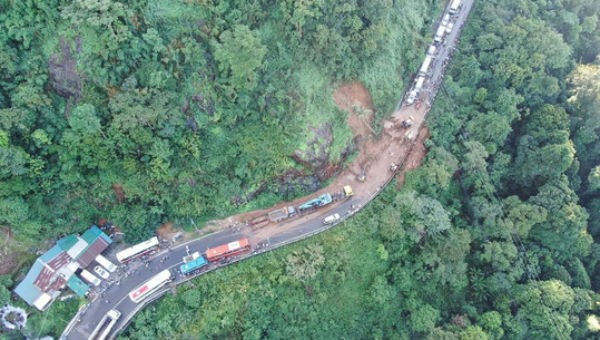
(115, 295)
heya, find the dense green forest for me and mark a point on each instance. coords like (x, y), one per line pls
(148, 111)
(494, 237)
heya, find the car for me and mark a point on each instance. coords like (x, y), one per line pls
(101, 272)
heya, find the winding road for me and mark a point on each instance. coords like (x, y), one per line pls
(115, 295)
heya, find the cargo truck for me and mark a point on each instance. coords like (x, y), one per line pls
(193, 266)
(314, 203)
(455, 6)
(425, 66)
(439, 35)
(89, 277)
(282, 214)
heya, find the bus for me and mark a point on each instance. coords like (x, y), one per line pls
(193, 266)
(104, 262)
(146, 247)
(106, 324)
(89, 277)
(229, 249)
(150, 286)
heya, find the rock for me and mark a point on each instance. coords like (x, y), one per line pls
(316, 156)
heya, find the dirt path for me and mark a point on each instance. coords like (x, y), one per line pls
(396, 144)
(375, 155)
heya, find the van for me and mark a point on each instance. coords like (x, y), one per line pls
(89, 277)
(331, 219)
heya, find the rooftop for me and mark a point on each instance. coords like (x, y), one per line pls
(55, 269)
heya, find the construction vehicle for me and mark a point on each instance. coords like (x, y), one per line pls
(331, 219)
(282, 214)
(408, 122)
(346, 193)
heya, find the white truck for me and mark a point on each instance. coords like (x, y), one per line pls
(455, 6)
(439, 34)
(446, 20)
(91, 278)
(191, 257)
(104, 262)
(331, 219)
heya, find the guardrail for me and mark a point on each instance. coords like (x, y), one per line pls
(74, 320)
(268, 248)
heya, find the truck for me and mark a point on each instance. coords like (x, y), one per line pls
(191, 257)
(282, 214)
(449, 27)
(425, 66)
(89, 277)
(331, 219)
(193, 266)
(314, 203)
(431, 50)
(412, 96)
(104, 262)
(439, 34)
(419, 83)
(344, 194)
(455, 6)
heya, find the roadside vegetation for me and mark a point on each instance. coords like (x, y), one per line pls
(144, 112)
(495, 236)
(147, 111)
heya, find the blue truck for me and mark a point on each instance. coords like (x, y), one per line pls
(193, 266)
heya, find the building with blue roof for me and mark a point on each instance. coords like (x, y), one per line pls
(55, 269)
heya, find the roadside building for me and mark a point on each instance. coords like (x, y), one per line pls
(56, 268)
